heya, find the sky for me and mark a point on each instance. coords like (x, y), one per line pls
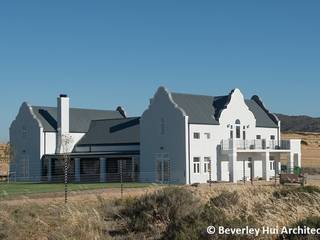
(109, 53)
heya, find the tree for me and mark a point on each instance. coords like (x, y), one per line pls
(66, 146)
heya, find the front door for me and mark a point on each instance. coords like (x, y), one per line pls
(162, 168)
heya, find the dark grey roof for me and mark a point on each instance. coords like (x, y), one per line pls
(112, 131)
(206, 109)
(79, 118)
(263, 119)
(199, 108)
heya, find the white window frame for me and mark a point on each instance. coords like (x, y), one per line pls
(196, 134)
(206, 164)
(208, 135)
(196, 165)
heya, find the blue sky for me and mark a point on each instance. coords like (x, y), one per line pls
(109, 53)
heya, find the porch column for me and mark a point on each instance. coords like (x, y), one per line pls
(103, 169)
(252, 170)
(49, 173)
(299, 160)
(77, 169)
(291, 163)
(233, 167)
(132, 173)
(265, 167)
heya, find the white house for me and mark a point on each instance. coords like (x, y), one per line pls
(187, 139)
(180, 138)
(37, 132)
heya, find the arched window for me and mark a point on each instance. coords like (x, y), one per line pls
(238, 129)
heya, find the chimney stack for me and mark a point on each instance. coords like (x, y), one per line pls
(62, 120)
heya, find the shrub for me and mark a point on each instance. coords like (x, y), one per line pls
(194, 226)
(157, 210)
(312, 222)
(225, 199)
(287, 191)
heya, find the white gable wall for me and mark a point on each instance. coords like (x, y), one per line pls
(163, 134)
(50, 141)
(25, 137)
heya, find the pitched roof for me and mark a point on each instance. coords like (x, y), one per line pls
(206, 109)
(112, 131)
(79, 118)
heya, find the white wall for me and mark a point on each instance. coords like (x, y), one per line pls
(202, 148)
(25, 137)
(50, 141)
(163, 114)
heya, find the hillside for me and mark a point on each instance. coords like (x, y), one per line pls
(299, 123)
(310, 147)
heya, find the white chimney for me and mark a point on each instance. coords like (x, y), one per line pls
(62, 120)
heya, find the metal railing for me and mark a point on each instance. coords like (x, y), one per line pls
(255, 144)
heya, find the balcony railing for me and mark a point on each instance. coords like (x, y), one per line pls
(256, 144)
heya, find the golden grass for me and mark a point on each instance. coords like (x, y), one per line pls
(93, 219)
(310, 151)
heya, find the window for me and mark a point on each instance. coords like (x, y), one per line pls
(238, 132)
(207, 135)
(196, 165)
(271, 166)
(162, 126)
(272, 137)
(238, 128)
(250, 162)
(258, 136)
(206, 165)
(196, 135)
(24, 131)
(231, 134)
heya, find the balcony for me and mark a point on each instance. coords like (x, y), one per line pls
(256, 144)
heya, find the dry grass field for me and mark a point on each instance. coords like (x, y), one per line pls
(310, 147)
(163, 213)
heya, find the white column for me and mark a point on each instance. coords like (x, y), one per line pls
(299, 160)
(233, 166)
(252, 170)
(265, 167)
(290, 163)
(49, 173)
(77, 169)
(103, 169)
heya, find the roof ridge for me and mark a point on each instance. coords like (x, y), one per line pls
(192, 94)
(110, 119)
(76, 108)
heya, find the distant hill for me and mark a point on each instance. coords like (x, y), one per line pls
(299, 123)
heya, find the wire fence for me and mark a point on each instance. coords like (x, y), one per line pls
(64, 180)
